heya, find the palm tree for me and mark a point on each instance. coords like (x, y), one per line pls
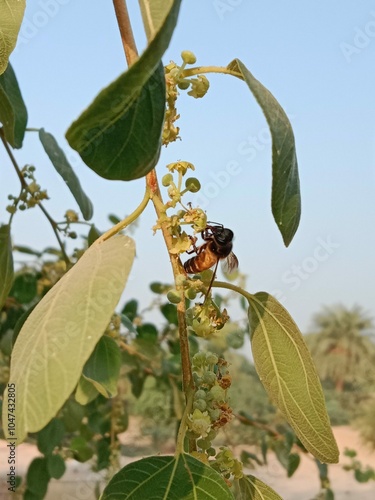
(342, 346)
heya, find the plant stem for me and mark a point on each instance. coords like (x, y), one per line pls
(210, 69)
(183, 425)
(26, 187)
(126, 32)
(152, 184)
(234, 288)
(128, 220)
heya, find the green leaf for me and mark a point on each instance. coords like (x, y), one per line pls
(128, 324)
(63, 167)
(72, 414)
(119, 135)
(38, 477)
(184, 478)
(153, 15)
(169, 311)
(130, 309)
(50, 436)
(13, 112)
(10, 23)
(93, 235)
(252, 488)
(125, 143)
(293, 463)
(24, 288)
(63, 329)
(6, 263)
(56, 466)
(81, 450)
(102, 368)
(286, 198)
(147, 332)
(85, 392)
(288, 374)
(103, 451)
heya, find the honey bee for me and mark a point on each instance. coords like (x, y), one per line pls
(218, 247)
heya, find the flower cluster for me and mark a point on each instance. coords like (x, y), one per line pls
(175, 79)
(195, 217)
(207, 318)
(211, 412)
(30, 195)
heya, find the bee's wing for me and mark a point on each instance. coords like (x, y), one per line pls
(229, 264)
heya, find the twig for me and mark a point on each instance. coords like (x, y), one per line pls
(26, 187)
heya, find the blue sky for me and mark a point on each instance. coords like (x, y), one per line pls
(317, 58)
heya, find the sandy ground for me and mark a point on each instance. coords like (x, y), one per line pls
(78, 483)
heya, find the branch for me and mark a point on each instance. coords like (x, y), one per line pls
(26, 187)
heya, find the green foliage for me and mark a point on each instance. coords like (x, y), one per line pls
(63, 167)
(13, 113)
(253, 488)
(286, 198)
(130, 107)
(184, 477)
(10, 22)
(89, 291)
(284, 364)
(80, 368)
(6, 263)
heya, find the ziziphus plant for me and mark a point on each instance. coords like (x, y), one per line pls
(63, 334)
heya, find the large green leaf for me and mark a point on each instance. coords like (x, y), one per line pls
(153, 15)
(184, 478)
(286, 198)
(6, 263)
(13, 112)
(103, 367)
(288, 374)
(252, 488)
(119, 135)
(61, 332)
(63, 167)
(11, 14)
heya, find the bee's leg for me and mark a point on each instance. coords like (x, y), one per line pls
(195, 249)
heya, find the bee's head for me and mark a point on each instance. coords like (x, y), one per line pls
(223, 235)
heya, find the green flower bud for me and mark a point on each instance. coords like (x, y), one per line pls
(188, 57)
(190, 293)
(72, 235)
(217, 393)
(200, 394)
(209, 378)
(200, 404)
(214, 414)
(192, 184)
(157, 287)
(167, 180)
(199, 359)
(211, 358)
(211, 452)
(173, 296)
(183, 84)
(204, 444)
